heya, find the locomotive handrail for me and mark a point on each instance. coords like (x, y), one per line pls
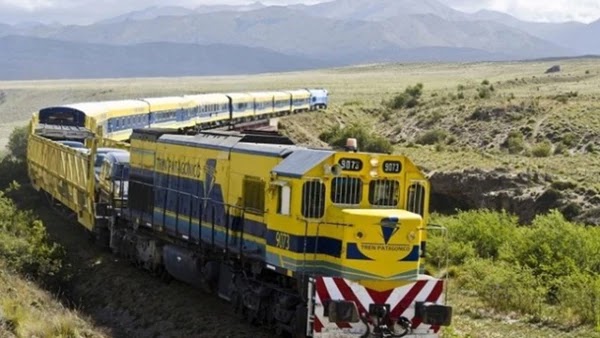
(444, 231)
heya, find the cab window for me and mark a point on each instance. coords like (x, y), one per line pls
(416, 199)
(384, 193)
(254, 195)
(313, 199)
(284, 200)
(346, 190)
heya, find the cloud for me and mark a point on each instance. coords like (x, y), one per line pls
(87, 11)
(536, 10)
(26, 5)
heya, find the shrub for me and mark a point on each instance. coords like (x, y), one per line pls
(553, 247)
(484, 92)
(569, 139)
(560, 149)
(485, 82)
(579, 293)
(367, 141)
(456, 252)
(543, 149)
(486, 231)
(590, 148)
(564, 97)
(432, 137)
(515, 142)
(504, 286)
(17, 143)
(24, 245)
(408, 99)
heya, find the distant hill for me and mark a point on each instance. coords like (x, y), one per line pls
(158, 11)
(338, 32)
(579, 37)
(149, 14)
(295, 32)
(25, 58)
(382, 9)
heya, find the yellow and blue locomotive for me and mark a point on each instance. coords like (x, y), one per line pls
(312, 242)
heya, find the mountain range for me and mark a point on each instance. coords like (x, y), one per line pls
(335, 33)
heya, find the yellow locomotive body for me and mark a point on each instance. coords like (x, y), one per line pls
(346, 218)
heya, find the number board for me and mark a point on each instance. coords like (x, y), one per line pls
(392, 167)
(350, 164)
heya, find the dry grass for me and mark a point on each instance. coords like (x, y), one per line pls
(27, 311)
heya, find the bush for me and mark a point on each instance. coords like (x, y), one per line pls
(553, 247)
(503, 286)
(543, 149)
(484, 92)
(572, 298)
(515, 142)
(512, 268)
(432, 137)
(24, 244)
(367, 140)
(408, 99)
(569, 139)
(17, 143)
(564, 97)
(484, 230)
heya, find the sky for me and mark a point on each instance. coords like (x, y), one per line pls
(88, 11)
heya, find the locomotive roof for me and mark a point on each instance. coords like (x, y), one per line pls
(297, 160)
(301, 161)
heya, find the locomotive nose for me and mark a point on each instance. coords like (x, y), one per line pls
(391, 236)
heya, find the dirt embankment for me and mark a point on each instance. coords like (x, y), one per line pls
(522, 194)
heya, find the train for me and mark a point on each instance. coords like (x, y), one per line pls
(116, 120)
(307, 242)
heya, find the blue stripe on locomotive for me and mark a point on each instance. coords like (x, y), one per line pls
(176, 204)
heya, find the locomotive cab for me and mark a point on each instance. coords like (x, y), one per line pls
(363, 226)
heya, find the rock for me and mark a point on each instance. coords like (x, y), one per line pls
(523, 194)
(553, 69)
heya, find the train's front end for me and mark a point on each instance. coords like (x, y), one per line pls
(376, 211)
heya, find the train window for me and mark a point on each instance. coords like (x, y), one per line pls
(416, 199)
(384, 193)
(313, 199)
(254, 195)
(346, 190)
(284, 199)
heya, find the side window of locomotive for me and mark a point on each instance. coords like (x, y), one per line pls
(313, 199)
(416, 199)
(384, 193)
(254, 195)
(346, 190)
(284, 200)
